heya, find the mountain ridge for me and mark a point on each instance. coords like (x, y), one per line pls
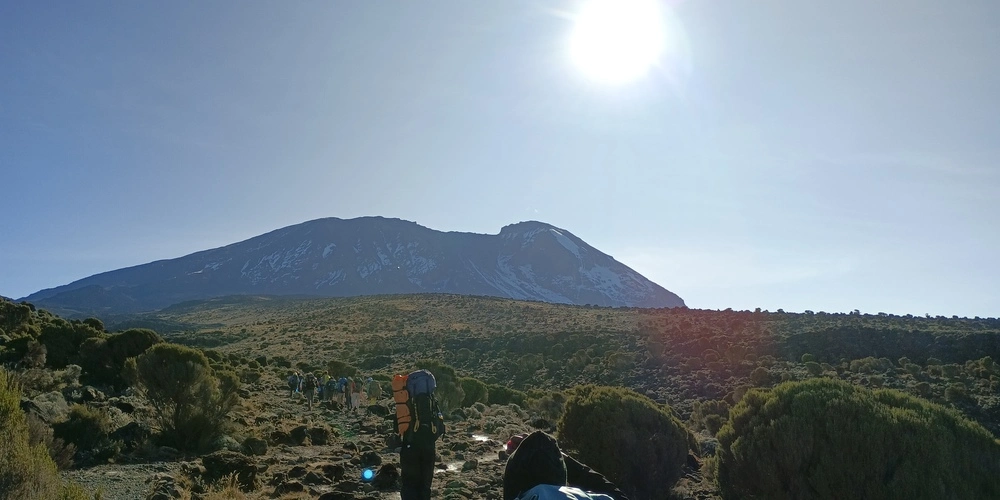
(333, 257)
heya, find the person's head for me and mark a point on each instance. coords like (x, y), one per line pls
(513, 442)
(537, 460)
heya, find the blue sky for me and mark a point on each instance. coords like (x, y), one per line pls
(823, 155)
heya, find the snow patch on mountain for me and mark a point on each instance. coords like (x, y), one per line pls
(368, 268)
(529, 236)
(331, 278)
(418, 265)
(567, 243)
(382, 256)
(329, 249)
(524, 286)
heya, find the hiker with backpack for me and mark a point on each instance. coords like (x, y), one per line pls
(373, 391)
(330, 389)
(293, 383)
(309, 388)
(419, 424)
(539, 470)
(358, 387)
(323, 381)
(345, 391)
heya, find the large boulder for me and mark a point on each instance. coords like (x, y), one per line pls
(223, 463)
(254, 446)
(132, 435)
(299, 435)
(51, 407)
(333, 471)
(387, 478)
(370, 459)
(319, 435)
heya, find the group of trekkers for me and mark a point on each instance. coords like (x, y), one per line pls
(536, 470)
(350, 392)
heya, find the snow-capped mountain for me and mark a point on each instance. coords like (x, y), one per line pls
(371, 255)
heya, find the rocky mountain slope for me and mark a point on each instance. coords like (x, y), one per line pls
(369, 256)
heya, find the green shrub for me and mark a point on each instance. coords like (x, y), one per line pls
(825, 438)
(956, 392)
(503, 395)
(709, 415)
(865, 365)
(94, 323)
(549, 405)
(807, 358)
(26, 470)
(40, 433)
(639, 445)
(475, 391)
(62, 340)
(760, 376)
(190, 400)
(103, 358)
(85, 427)
(814, 368)
(338, 368)
(923, 389)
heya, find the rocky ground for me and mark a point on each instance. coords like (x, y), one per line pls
(286, 450)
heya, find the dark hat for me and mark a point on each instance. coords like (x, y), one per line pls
(537, 460)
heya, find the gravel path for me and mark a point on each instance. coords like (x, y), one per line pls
(120, 481)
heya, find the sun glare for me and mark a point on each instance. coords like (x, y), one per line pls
(617, 41)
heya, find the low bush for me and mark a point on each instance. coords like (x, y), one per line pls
(104, 357)
(85, 427)
(338, 368)
(760, 376)
(709, 415)
(26, 469)
(824, 438)
(549, 406)
(502, 395)
(475, 391)
(190, 400)
(640, 445)
(59, 450)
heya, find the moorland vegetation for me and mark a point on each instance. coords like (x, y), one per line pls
(728, 403)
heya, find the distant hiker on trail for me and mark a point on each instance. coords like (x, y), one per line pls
(293, 383)
(420, 424)
(349, 393)
(322, 386)
(330, 389)
(358, 385)
(539, 470)
(345, 388)
(309, 388)
(373, 391)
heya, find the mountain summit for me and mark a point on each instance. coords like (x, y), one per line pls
(371, 255)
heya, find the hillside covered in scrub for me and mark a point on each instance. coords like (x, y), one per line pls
(860, 405)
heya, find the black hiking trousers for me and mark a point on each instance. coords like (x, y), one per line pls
(417, 472)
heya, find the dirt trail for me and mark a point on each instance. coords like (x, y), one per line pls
(468, 465)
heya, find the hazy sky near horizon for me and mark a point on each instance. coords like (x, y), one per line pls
(824, 155)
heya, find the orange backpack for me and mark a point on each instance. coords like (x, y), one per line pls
(402, 397)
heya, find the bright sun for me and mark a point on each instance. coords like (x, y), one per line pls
(617, 41)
